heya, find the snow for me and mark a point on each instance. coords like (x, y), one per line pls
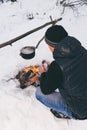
(19, 109)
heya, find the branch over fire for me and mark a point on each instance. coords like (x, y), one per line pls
(28, 33)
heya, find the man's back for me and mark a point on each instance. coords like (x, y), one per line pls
(72, 58)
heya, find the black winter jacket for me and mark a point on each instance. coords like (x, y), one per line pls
(68, 73)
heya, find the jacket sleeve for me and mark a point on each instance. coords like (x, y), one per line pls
(51, 80)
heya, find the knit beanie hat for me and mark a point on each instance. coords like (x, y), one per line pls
(55, 34)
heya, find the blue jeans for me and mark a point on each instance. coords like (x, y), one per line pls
(54, 101)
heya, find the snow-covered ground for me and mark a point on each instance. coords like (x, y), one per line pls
(19, 109)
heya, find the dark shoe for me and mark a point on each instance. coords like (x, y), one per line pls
(58, 115)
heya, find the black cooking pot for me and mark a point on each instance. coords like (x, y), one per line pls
(27, 52)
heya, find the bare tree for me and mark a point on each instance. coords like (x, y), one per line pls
(7, 1)
(2, 1)
(13, 0)
(73, 4)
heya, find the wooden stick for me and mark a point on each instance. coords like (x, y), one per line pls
(28, 33)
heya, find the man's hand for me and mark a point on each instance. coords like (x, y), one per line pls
(41, 69)
(44, 67)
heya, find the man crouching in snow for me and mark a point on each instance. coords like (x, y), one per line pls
(68, 73)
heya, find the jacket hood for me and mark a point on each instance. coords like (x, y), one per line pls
(68, 47)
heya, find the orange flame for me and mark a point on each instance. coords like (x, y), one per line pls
(33, 68)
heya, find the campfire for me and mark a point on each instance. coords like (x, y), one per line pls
(28, 76)
(31, 75)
